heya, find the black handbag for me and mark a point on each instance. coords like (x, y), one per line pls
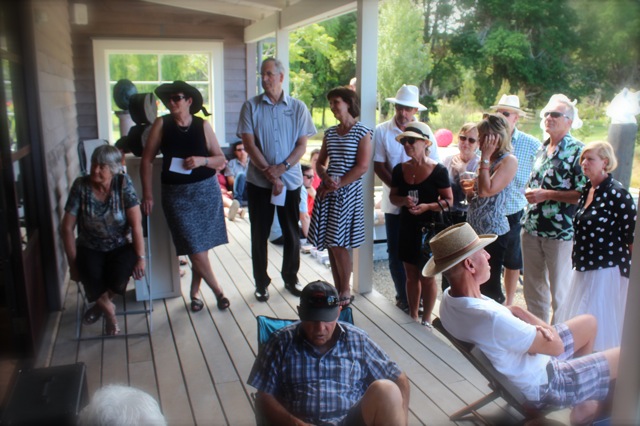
(441, 221)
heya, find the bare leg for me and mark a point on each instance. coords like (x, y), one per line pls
(413, 289)
(195, 284)
(202, 268)
(343, 266)
(109, 310)
(429, 295)
(511, 277)
(382, 404)
(584, 329)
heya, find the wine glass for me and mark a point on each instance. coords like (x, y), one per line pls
(467, 181)
(413, 196)
(335, 178)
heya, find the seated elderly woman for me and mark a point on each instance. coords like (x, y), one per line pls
(109, 247)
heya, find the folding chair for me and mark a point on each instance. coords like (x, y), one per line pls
(85, 150)
(501, 386)
(266, 327)
(82, 303)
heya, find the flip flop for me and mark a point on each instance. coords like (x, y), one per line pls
(196, 304)
(92, 315)
(111, 327)
(345, 299)
(223, 302)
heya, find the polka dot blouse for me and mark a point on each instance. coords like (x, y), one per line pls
(604, 229)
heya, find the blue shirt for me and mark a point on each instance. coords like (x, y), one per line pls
(320, 388)
(276, 129)
(559, 171)
(525, 148)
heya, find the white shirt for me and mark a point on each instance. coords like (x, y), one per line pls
(391, 152)
(502, 337)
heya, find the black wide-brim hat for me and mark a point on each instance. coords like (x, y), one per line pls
(164, 91)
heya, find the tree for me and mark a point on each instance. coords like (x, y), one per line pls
(402, 54)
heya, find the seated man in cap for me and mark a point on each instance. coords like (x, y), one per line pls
(321, 371)
(551, 365)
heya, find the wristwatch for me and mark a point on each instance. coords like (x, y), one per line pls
(286, 164)
(485, 161)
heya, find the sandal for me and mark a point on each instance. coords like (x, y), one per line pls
(111, 327)
(196, 304)
(92, 315)
(426, 324)
(223, 302)
(345, 299)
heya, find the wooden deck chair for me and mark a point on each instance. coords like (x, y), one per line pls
(501, 386)
(266, 327)
(82, 303)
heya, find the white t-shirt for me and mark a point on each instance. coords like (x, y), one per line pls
(502, 337)
(391, 152)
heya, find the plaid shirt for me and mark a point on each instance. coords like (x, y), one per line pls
(320, 388)
(525, 148)
(560, 172)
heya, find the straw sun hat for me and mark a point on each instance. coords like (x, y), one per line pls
(452, 246)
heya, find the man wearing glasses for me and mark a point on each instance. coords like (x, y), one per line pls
(274, 128)
(387, 154)
(236, 173)
(525, 148)
(321, 371)
(554, 190)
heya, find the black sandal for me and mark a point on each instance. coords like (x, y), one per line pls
(345, 299)
(223, 302)
(196, 304)
(92, 315)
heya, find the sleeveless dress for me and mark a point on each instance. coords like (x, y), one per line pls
(191, 203)
(338, 218)
(410, 225)
(486, 215)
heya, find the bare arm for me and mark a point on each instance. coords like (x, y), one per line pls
(305, 221)
(275, 412)
(444, 194)
(382, 172)
(216, 158)
(489, 185)
(274, 171)
(399, 200)
(538, 195)
(69, 241)
(547, 340)
(363, 156)
(134, 218)
(146, 165)
(405, 389)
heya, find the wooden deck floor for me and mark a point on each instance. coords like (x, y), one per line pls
(197, 365)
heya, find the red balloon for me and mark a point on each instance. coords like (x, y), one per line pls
(443, 137)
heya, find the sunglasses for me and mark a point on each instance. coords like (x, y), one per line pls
(465, 138)
(555, 114)
(408, 140)
(308, 176)
(177, 98)
(321, 301)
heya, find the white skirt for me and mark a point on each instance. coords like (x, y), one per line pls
(603, 294)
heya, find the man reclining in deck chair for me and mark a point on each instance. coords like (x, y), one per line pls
(551, 365)
(318, 371)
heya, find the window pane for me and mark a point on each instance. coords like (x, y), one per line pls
(133, 67)
(8, 95)
(185, 67)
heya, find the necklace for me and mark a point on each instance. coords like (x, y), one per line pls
(184, 129)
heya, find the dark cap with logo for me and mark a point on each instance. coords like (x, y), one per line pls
(319, 302)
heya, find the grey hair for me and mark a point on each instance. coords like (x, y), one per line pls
(277, 63)
(108, 155)
(118, 405)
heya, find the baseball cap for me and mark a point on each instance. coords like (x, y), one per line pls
(319, 302)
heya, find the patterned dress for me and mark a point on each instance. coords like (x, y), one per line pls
(486, 215)
(338, 218)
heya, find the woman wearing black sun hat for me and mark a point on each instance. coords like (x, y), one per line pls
(191, 198)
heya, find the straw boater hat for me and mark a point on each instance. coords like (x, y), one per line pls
(164, 91)
(452, 246)
(510, 103)
(418, 130)
(408, 96)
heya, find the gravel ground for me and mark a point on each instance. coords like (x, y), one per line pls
(383, 284)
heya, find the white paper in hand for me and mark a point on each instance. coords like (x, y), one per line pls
(177, 166)
(278, 200)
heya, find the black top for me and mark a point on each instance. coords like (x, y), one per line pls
(604, 230)
(179, 142)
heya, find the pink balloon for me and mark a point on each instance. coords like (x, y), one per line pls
(444, 137)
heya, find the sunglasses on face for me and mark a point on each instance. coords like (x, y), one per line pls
(408, 140)
(465, 138)
(555, 114)
(176, 98)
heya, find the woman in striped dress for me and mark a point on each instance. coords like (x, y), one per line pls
(338, 214)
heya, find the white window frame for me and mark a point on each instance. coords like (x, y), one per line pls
(102, 48)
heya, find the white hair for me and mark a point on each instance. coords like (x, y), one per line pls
(118, 405)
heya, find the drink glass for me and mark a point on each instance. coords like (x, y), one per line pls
(413, 196)
(467, 181)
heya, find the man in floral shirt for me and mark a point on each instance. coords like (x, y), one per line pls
(554, 189)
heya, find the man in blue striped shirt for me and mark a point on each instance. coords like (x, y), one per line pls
(324, 372)
(525, 148)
